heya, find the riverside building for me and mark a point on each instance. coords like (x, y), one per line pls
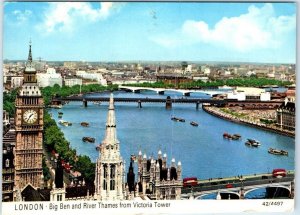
(286, 115)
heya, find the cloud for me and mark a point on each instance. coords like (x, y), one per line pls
(259, 28)
(21, 16)
(64, 16)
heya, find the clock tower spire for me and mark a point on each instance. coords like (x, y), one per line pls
(29, 130)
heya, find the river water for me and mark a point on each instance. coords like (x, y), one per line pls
(202, 150)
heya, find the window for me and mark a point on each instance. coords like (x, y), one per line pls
(112, 177)
(105, 171)
(104, 184)
(112, 184)
(7, 163)
(59, 197)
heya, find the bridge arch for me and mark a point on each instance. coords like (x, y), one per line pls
(224, 195)
(265, 187)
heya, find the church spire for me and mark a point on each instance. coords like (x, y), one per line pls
(111, 132)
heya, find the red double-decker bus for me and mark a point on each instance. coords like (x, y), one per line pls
(279, 173)
(190, 182)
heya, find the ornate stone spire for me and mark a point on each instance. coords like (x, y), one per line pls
(109, 174)
(111, 132)
(29, 54)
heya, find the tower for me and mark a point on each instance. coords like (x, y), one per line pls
(109, 172)
(29, 130)
(58, 192)
(158, 180)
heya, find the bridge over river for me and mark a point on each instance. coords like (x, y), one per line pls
(161, 91)
(168, 101)
(239, 188)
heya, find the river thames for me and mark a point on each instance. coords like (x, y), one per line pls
(202, 150)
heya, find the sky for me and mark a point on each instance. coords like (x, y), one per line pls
(120, 31)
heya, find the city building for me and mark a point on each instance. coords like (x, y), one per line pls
(29, 132)
(8, 168)
(92, 76)
(249, 93)
(73, 192)
(72, 81)
(156, 180)
(286, 115)
(50, 78)
(175, 79)
(109, 173)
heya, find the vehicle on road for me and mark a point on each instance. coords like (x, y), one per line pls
(190, 182)
(279, 173)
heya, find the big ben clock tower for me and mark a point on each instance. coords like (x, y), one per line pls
(29, 130)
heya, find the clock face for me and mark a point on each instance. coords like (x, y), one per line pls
(30, 116)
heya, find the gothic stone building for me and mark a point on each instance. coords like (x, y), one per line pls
(158, 181)
(29, 131)
(109, 172)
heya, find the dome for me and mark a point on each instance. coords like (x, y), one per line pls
(159, 152)
(173, 160)
(145, 156)
(165, 155)
(179, 163)
(140, 152)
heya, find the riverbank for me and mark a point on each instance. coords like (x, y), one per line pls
(218, 113)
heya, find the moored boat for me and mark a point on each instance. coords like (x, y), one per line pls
(85, 124)
(277, 152)
(60, 113)
(88, 139)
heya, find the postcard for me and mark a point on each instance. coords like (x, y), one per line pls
(148, 107)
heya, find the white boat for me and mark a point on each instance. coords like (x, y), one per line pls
(64, 123)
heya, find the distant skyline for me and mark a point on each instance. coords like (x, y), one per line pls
(83, 31)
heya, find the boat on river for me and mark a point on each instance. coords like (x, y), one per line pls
(88, 139)
(177, 119)
(60, 113)
(84, 124)
(227, 136)
(231, 137)
(64, 123)
(236, 136)
(56, 106)
(252, 142)
(278, 152)
(194, 123)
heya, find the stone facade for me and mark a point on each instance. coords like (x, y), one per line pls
(109, 174)
(29, 131)
(158, 181)
(8, 168)
(286, 116)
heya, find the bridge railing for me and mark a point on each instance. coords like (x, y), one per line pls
(204, 187)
